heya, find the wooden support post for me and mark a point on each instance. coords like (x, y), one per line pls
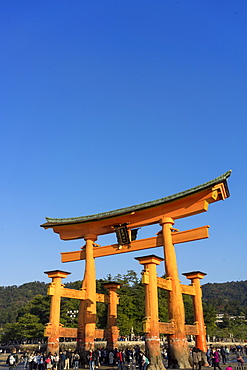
(112, 332)
(195, 277)
(53, 327)
(152, 339)
(87, 311)
(178, 344)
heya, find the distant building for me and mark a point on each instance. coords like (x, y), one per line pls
(220, 317)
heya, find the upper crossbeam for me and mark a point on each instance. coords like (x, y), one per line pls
(108, 250)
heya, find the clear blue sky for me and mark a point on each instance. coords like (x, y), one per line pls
(106, 104)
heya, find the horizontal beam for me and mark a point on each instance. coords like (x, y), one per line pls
(63, 332)
(164, 283)
(68, 332)
(191, 329)
(72, 293)
(108, 250)
(102, 298)
(100, 333)
(188, 289)
(81, 294)
(166, 328)
(190, 235)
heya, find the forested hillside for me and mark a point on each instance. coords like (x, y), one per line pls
(24, 310)
(12, 298)
(229, 298)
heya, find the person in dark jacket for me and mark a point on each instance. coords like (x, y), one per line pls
(12, 359)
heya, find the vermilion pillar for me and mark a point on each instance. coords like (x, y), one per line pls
(112, 332)
(152, 339)
(87, 311)
(52, 328)
(195, 277)
(179, 350)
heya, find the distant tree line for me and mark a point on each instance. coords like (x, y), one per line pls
(24, 310)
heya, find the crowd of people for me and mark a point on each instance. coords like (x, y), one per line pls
(69, 359)
(217, 355)
(129, 357)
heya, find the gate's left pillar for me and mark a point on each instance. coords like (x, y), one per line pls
(112, 329)
(152, 339)
(53, 327)
(87, 311)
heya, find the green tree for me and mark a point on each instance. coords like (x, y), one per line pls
(30, 326)
(188, 308)
(38, 306)
(67, 312)
(210, 318)
(11, 331)
(163, 305)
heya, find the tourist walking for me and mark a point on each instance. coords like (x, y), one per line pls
(24, 358)
(111, 358)
(30, 361)
(12, 359)
(209, 355)
(48, 361)
(55, 361)
(61, 361)
(91, 360)
(240, 361)
(196, 358)
(76, 361)
(216, 359)
(223, 354)
(120, 359)
(144, 361)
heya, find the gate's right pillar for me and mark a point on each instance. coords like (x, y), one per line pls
(178, 344)
(195, 277)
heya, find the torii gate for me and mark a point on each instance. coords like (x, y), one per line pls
(124, 222)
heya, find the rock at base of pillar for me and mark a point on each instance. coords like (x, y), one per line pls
(178, 353)
(112, 335)
(52, 345)
(153, 353)
(53, 338)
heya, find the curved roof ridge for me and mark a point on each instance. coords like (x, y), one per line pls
(140, 206)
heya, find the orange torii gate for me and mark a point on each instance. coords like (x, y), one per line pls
(124, 222)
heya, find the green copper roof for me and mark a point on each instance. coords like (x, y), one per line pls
(118, 212)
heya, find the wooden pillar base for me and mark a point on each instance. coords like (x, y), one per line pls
(112, 336)
(85, 340)
(152, 346)
(178, 352)
(53, 343)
